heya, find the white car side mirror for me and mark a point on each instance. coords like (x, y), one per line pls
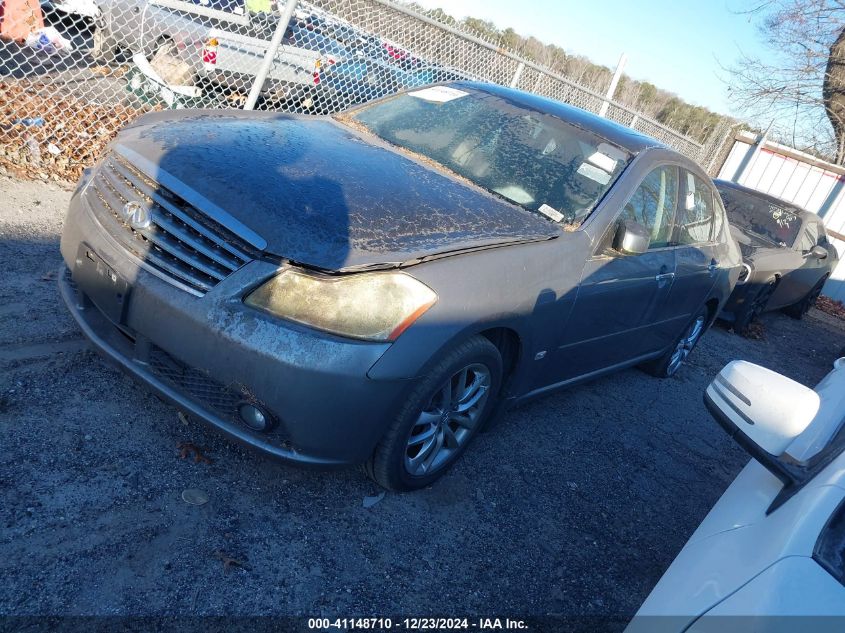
(764, 412)
(769, 409)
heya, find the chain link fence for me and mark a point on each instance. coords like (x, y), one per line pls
(72, 72)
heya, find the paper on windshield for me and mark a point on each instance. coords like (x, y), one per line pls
(438, 94)
(550, 212)
(602, 161)
(594, 173)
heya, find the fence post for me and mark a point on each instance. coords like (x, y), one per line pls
(611, 89)
(517, 75)
(275, 42)
(717, 150)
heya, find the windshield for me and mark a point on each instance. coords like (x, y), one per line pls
(532, 159)
(772, 222)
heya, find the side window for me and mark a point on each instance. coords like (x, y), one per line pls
(810, 237)
(720, 221)
(653, 204)
(697, 216)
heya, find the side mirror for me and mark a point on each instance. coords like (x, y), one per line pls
(819, 252)
(764, 412)
(631, 238)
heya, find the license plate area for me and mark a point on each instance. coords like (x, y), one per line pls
(102, 285)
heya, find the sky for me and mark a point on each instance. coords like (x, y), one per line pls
(676, 45)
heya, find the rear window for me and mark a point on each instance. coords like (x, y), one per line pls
(764, 218)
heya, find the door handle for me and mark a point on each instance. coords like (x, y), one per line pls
(665, 276)
(713, 267)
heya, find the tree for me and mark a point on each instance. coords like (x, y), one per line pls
(640, 96)
(800, 83)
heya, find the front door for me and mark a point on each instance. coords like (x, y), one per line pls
(622, 298)
(806, 271)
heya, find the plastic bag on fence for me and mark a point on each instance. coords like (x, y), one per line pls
(49, 40)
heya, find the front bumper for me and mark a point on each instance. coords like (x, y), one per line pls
(208, 354)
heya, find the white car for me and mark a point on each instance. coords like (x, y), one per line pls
(774, 544)
(83, 8)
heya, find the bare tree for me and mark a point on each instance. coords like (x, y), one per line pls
(800, 83)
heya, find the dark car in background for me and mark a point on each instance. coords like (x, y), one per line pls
(787, 257)
(372, 287)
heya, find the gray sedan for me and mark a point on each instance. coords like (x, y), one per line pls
(375, 287)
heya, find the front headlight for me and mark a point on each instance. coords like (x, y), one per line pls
(369, 306)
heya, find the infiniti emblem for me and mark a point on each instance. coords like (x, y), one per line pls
(136, 215)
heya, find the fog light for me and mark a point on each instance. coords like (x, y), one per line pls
(255, 417)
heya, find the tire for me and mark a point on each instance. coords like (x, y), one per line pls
(755, 305)
(668, 365)
(424, 432)
(798, 310)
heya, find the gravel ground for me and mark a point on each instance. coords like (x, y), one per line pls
(574, 505)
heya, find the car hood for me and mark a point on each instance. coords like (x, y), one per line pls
(315, 192)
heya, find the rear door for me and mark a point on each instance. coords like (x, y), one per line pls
(622, 298)
(697, 266)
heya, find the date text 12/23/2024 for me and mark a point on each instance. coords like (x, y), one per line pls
(415, 624)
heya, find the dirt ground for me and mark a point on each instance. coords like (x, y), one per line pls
(574, 505)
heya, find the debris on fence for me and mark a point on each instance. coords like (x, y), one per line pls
(49, 40)
(44, 134)
(210, 54)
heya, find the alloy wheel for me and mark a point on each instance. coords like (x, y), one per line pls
(448, 420)
(686, 344)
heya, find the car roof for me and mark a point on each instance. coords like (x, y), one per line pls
(620, 135)
(798, 210)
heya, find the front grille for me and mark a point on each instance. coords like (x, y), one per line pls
(213, 396)
(181, 243)
(222, 400)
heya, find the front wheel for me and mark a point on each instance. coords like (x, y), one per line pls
(755, 305)
(798, 310)
(440, 417)
(669, 364)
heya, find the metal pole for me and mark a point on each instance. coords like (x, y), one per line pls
(611, 89)
(517, 75)
(275, 42)
(718, 150)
